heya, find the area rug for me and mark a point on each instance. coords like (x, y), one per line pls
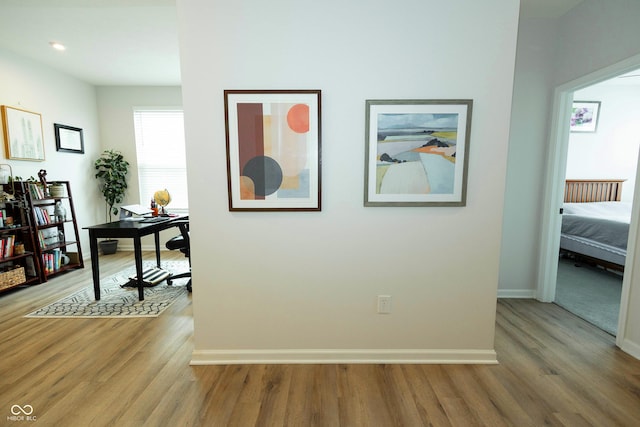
(117, 301)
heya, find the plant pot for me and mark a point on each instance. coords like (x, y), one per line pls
(56, 190)
(108, 247)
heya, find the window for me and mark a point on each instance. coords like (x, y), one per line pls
(160, 148)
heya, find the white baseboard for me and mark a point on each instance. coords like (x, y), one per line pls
(516, 293)
(249, 357)
(630, 347)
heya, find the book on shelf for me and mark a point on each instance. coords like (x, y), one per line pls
(36, 191)
(56, 259)
(41, 239)
(6, 246)
(47, 217)
(47, 237)
(36, 213)
(11, 240)
(51, 261)
(42, 216)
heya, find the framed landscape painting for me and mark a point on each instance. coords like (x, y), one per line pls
(584, 116)
(417, 152)
(273, 150)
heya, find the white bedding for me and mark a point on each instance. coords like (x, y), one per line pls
(597, 229)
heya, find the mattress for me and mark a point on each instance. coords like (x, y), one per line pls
(598, 229)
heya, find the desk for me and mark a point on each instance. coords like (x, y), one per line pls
(127, 229)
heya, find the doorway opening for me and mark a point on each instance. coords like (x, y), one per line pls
(557, 162)
(599, 185)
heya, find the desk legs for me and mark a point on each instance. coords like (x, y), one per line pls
(93, 243)
(157, 239)
(95, 269)
(137, 247)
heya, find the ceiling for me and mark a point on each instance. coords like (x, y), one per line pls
(124, 42)
(546, 8)
(109, 42)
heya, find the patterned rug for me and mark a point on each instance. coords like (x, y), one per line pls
(117, 301)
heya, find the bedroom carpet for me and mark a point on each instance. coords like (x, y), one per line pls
(590, 293)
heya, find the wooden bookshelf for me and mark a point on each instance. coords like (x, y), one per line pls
(19, 262)
(54, 228)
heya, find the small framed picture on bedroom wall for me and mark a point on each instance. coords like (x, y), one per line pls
(584, 116)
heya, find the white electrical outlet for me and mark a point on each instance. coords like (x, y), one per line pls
(384, 304)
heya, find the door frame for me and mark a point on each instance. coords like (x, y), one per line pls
(554, 190)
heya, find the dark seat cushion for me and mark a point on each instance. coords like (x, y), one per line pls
(175, 243)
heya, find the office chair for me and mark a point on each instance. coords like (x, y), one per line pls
(181, 243)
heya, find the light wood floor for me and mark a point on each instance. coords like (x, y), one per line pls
(555, 370)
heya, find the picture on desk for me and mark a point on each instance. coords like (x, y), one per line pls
(273, 150)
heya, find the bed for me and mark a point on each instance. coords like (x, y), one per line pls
(595, 222)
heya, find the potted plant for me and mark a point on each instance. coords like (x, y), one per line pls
(56, 189)
(111, 173)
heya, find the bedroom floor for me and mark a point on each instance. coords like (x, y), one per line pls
(590, 293)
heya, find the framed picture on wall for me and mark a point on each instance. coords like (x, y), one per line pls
(68, 139)
(584, 116)
(23, 137)
(273, 149)
(417, 152)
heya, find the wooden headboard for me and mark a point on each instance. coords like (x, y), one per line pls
(592, 190)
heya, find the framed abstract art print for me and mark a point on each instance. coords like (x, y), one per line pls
(273, 150)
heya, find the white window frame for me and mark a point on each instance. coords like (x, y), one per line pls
(163, 167)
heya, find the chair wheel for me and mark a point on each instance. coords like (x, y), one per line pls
(169, 282)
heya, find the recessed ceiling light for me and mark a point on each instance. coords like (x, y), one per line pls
(57, 46)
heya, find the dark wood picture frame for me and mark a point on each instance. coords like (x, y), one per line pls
(273, 140)
(69, 139)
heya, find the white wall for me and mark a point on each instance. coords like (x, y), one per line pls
(612, 37)
(105, 115)
(527, 156)
(59, 98)
(115, 109)
(612, 151)
(595, 35)
(302, 286)
(550, 52)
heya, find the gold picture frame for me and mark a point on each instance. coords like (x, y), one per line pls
(23, 136)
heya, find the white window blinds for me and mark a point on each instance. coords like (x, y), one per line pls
(160, 149)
